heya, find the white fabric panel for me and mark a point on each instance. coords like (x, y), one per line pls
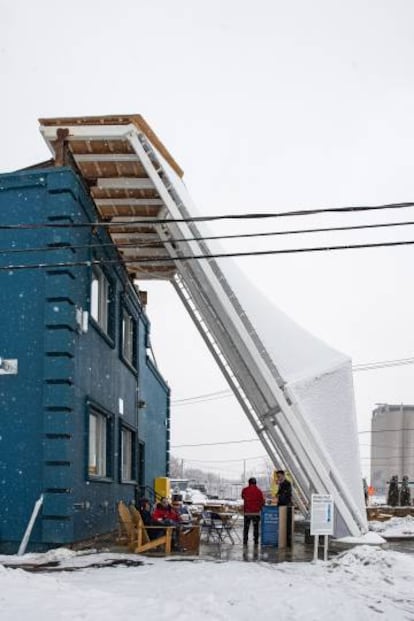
(318, 378)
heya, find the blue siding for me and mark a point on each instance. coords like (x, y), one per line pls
(154, 423)
(44, 408)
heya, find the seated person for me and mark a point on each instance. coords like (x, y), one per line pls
(164, 514)
(182, 511)
(144, 508)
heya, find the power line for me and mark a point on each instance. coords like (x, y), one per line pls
(382, 364)
(258, 440)
(208, 394)
(228, 394)
(173, 240)
(386, 430)
(221, 255)
(212, 396)
(243, 216)
(215, 443)
(401, 447)
(216, 461)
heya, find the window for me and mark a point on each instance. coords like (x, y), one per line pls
(100, 298)
(128, 337)
(98, 444)
(127, 454)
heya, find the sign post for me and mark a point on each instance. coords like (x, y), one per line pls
(322, 521)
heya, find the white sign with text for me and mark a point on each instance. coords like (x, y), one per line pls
(322, 514)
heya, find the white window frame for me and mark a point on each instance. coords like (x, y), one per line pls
(127, 454)
(98, 444)
(128, 330)
(100, 298)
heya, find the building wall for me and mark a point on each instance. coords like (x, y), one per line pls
(392, 444)
(154, 423)
(62, 371)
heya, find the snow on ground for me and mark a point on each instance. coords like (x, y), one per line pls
(361, 584)
(394, 527)
(368, 538)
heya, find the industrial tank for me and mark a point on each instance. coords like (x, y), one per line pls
(392, 444)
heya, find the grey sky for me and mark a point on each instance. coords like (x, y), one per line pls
(267, 106)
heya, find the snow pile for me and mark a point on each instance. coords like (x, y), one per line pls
(394, 527)
(57, 555)
(363, 556)
(63, 558)
(194, 496)
(368, 538)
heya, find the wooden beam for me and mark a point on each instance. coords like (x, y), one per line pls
(116, 202)
(105, 157)
(133, 183)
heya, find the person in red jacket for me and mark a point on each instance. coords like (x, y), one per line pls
(164, 514)
(253, 503)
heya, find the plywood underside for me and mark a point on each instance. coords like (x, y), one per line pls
(121, 189)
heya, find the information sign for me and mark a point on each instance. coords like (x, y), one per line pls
(322, 514)
(270, 526)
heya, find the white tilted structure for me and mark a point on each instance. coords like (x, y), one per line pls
(296, 391)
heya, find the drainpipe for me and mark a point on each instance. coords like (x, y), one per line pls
(26, 536)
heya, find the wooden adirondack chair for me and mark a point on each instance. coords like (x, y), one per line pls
(127, 528)
(139, 541)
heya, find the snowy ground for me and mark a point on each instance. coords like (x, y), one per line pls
(361, 584)
(395, 527)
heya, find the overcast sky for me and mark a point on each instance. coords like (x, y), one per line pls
(267, 106)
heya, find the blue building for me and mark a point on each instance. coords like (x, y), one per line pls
(84, 412)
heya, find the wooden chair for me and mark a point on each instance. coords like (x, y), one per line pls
(139, 541)
(127, 528)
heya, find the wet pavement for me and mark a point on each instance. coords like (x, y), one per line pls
(299, 552)
(226, 551)
(237, 552)
(400, 544)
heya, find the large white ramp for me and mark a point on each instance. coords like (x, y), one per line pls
(296, 391)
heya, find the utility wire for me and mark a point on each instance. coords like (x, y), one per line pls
(383, 430)
(174, 240)
(243, 216)
(208, 394)
(211, 396)
(215, 443)
(258, 440)
(220, 255)
(216, 461)
(382, 364)
(228, 394)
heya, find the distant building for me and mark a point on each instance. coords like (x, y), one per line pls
(84, 412)
(392, 444)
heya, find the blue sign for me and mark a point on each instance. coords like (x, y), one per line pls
(270, 526)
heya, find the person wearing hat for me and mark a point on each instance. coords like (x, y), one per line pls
(253, 502)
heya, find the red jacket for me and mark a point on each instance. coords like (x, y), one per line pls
(253, 499)
(165, 513)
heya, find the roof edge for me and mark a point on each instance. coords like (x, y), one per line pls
(122, 119)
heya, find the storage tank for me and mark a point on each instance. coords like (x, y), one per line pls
(392, 445)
